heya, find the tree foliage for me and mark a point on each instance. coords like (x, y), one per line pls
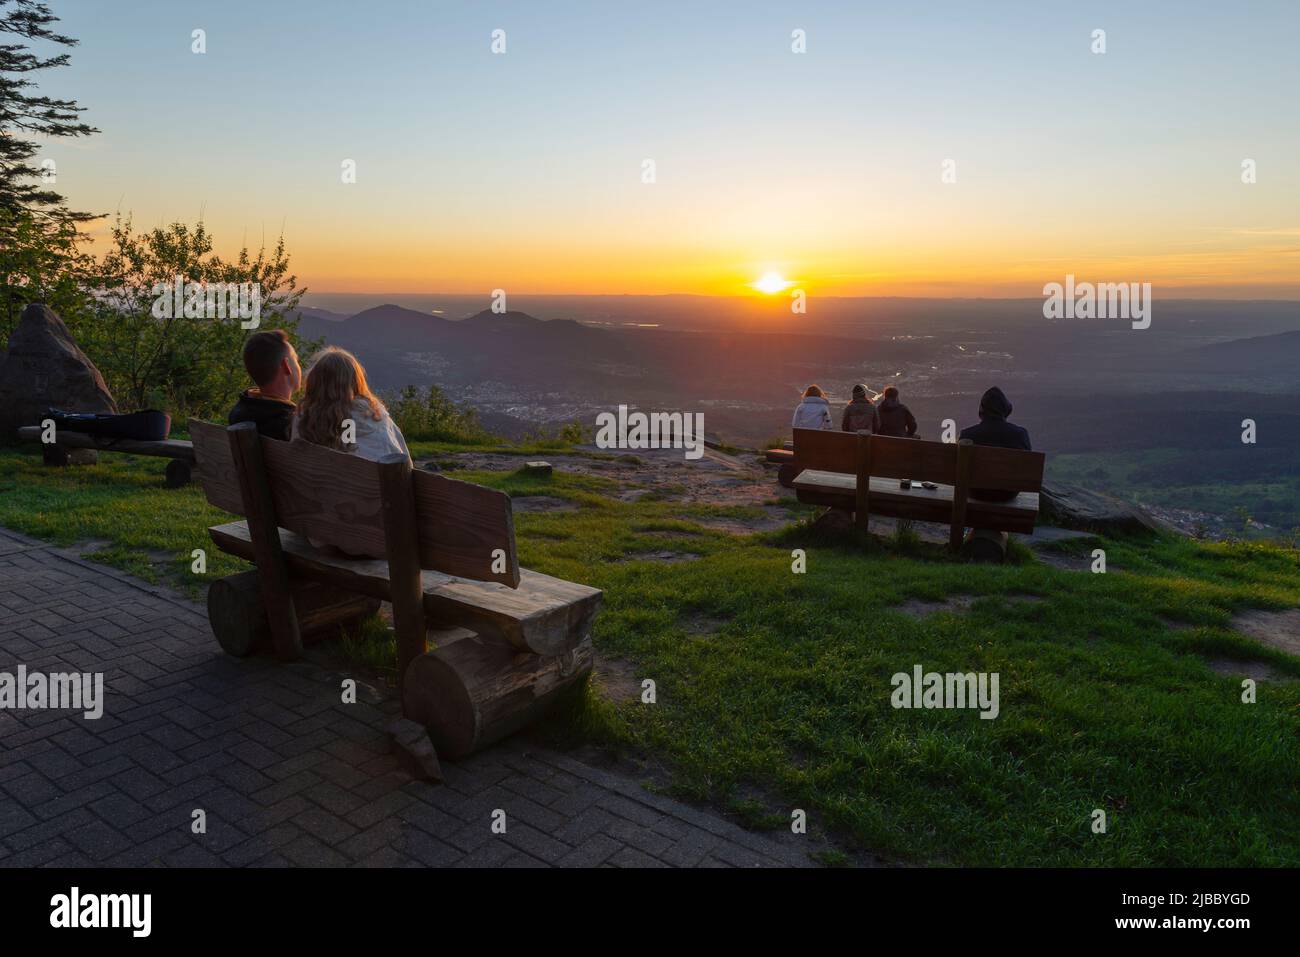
(185, 364)
(25, 113)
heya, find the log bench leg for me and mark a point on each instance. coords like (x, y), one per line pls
(986, 545)
(179, 472)
(476, 690)
(239, 620)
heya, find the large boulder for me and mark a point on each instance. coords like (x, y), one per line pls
(1073, 506)
(44, 368)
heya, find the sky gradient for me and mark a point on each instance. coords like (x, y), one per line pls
(522, 171)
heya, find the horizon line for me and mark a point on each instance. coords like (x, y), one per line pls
(771, 298)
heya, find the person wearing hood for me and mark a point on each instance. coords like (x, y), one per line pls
(860, 414)
(995, 430)
(813, 412)
(894, 418)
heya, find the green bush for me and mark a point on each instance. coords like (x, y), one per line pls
(432, 417)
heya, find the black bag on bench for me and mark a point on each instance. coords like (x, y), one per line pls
(147, 425)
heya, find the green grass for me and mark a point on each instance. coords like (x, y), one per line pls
(152, 530)
(787, 703)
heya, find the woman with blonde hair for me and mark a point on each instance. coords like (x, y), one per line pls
(813, 411)
(337, 395)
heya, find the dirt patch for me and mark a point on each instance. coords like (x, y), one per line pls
(1258, 670)
(668, 558)
(702, 627)
(1026, 598)
(615, 679)
(1065, 561)
(1277, 629)
(713, 479)
(918, 608)
(771, 519)
(542, 503)
(668, 532)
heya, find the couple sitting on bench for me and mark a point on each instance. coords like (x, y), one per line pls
(335, 396)
(329, 533)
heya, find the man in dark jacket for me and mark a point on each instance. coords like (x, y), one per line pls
(994, 429)
(894, 418)
(859, 415)
(272, 363)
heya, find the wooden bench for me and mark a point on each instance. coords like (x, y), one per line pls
(442, 551)
(179, 472)
(861, 473)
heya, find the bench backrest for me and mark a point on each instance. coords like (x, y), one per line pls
(825, 450)
(1012, 469)
(334, 497)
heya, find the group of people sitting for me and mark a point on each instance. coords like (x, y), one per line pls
(337, 408)
(888, 416)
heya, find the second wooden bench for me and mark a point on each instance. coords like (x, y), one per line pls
(861, 473)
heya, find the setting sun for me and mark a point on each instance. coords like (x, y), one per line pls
(771, 283)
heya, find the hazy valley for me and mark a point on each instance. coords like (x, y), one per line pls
(1153, 414)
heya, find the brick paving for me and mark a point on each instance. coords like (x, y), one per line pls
(286, 774)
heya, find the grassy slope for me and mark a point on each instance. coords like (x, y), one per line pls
(1103, 705)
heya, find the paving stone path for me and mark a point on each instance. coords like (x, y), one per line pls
(285, 773)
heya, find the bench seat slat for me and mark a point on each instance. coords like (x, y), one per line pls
(545, 615)
(935, 505)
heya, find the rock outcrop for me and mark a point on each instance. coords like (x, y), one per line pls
(44, 368)
(1073, 506)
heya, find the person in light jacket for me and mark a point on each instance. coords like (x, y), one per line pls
(339, 411)
(813, 412)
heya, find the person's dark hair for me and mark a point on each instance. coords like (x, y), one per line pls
(813, 391)
(891, 392)
(263, 353)
(995, 403)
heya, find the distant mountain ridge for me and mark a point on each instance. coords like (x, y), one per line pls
(1257, 354)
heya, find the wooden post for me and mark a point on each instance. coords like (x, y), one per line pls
(264, 530)
(397, 495)
(862, 502)
(960, 493)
